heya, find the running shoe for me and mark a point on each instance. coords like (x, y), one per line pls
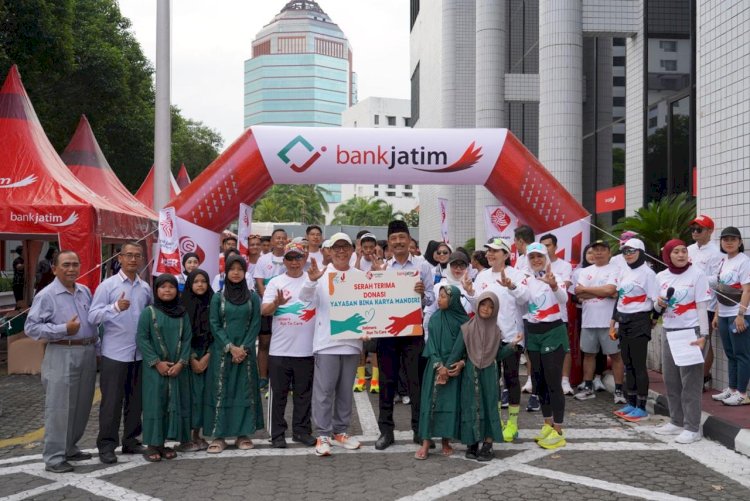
(533, 404)
(567, 389)
(725, 393)
(636, 415)
(263, 383)
(553, 440)
(599, 384)
(624, 411)
(585, 394)
(668, 429)
(510, 432)
(688, 437)
(620, 398)
(546, 430)
(374, 386)
(504, 399)
(345, 441)
(736, 399)
(323, 446)
(359, 385)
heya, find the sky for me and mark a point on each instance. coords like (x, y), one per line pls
(212, 39)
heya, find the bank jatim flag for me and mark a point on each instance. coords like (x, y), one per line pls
(499, 221)
(443, 214)
(168, 255)
(244, 227)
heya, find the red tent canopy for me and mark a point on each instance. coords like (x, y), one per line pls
(86, 160)
(42, 198)
(146, 192)
(183, 179)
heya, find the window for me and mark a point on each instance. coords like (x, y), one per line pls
(407, 194)
(618, 138)
(408, 187)
(618, 61)
(618, 101)
(291, 45)
(391, 121)
(618, 42)
(391, 186)
(390, 193)
(668, 64)
(668, 45)
(618, 81)
(376, 193)
(653, 122)
(377, 120)
(414, 96)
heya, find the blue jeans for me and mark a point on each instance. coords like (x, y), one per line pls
(737, 349)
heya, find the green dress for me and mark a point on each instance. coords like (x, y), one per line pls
(232, 405)
(479, 391)
(166, 400)
(438, 412)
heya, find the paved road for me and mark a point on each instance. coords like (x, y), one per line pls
(605, 459)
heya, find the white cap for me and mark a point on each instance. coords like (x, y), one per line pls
(340, 236)
(326, 244)
(635, 243)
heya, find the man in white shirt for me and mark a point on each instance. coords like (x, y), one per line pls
(314, 240)
(522, 237)
(706, 255)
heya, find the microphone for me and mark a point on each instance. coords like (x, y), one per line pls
(657, 314)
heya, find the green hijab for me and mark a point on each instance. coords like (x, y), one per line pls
(445, 325)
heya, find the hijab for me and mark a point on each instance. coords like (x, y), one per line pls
(171, 308)
(432, 246)
(187, 256)
(236, 293)
(666, 256)
(445, 325)
(197, 308)
(455, 257)
(638, 262)
(482, 337)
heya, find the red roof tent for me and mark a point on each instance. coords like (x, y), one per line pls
(183, 179)
(41, 197)
(86, 160)
(146, 192)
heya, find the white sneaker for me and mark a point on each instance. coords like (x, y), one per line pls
(668, 429)
(345, 441)
(567, 389)
(688, 437)
(527, 387)
(323, 446)
(599, 385)
(725, 393)
(735, 399)
(581, 386)
(406, 400)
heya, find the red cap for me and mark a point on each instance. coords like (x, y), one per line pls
(703, 221)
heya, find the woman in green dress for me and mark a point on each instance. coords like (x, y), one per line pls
(163, 339)
(232, 406)
(196, 298)
(477, 353)
(438, 413)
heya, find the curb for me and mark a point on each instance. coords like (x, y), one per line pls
(719, 430)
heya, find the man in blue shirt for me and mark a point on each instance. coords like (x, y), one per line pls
(59, 315)
(117, 305)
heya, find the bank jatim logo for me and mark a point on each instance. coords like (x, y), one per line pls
(167, 226)
(187, 244)
(7, 183)
(420, 158)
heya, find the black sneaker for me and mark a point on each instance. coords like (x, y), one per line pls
(533, 404)
(279, 443)
(305, 439)
(471, 451)
(486, 453)
(63, 467)
(505, 399)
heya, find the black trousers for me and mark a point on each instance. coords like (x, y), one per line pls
(635, 333)
(547, 371)
(284, 372)
(392, 353)
(120, 384)
(510, 367)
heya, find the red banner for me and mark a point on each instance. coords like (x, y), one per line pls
(611, 199)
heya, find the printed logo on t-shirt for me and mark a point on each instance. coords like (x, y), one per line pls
(537, 310)
(298, 309)
(623, 292)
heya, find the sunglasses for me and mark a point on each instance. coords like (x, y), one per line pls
(696, 229)
(294, 257)
(629, 252)
(442, 253)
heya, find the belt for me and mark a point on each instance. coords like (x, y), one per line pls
(76, 342)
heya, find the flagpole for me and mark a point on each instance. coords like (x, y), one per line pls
(162, 125)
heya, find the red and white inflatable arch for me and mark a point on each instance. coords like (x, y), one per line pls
(495, 158)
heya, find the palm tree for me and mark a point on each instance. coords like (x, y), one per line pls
(285, 203)
(361, 211)
(659, 222)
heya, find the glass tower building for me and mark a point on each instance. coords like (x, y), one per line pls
(300, 73)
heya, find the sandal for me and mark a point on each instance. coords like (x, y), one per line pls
(152, 455)
(421, 454)
(188, 447)
(167, 453)
(447, 451)
(244, 443)
(217, 446)
(202, 444)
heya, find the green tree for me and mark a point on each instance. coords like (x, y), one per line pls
(286, 203)
(364, 211)
(411, 218)
(193, 144)
(659, 222)
(618, 166)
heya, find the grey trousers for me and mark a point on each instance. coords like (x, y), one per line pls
(684, 390)
(69, 379)
(332, 394)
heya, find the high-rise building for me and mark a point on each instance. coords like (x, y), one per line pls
(300, 73)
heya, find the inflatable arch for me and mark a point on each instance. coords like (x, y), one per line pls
(494, 158)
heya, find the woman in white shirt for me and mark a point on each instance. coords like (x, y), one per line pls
(683, 300)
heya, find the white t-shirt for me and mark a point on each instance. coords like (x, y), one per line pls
(318, 255)
(563, 272)
(364, 264)
(522, 263)
(690, 287)
(316, 293)
(269, 266)
(620, 263)
(597, 312)
(638, 290)
(509, 318)
(544, 305)
(708, 259)
(293, 324)
(735, 273)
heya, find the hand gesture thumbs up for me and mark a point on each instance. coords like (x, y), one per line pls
(122, 303)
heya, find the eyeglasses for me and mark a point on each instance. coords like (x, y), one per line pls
(294, 257)
(442, 253)
(338, 248)
(459, 265)
(129, 256)
(696, 229)
(629, 252)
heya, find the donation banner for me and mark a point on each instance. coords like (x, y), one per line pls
(376, 304)
(168, 255)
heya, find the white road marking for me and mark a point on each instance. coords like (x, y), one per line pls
(366, 414)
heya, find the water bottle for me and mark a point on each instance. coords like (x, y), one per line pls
(732, 328)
